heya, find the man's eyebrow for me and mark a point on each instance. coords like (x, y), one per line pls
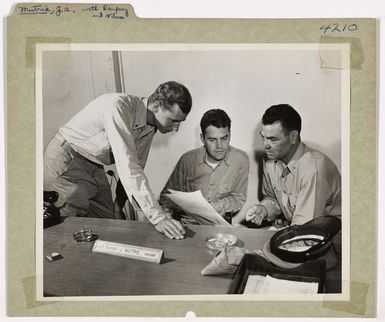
(176, 120)
(214, 138)
(267, 137)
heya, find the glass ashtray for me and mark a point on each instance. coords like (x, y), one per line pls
(83, 234)
(220, 241)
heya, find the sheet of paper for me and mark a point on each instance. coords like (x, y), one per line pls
(257, 284)
(197, 206)
(254, 284)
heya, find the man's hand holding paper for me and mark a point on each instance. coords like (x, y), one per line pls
(195, 204)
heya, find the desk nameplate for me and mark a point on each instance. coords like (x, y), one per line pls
(130, 251)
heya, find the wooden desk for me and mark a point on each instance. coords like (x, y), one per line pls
(83, 273)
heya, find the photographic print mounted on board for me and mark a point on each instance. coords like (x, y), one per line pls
(196, 171)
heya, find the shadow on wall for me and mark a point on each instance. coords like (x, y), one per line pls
(163, 140)
(259, 155)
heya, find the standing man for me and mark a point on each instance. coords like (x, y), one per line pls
(219, 170)
(299, 182)
(113, 128)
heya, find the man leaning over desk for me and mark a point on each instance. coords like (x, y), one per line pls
(219, 170)
(113, 128)
(299, 183)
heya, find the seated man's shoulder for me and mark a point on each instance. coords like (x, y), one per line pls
(316, 161)
(192, 155)
(239, 154)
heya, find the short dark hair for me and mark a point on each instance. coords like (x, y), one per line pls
(284, 113)
(215, 117)
(170, 93)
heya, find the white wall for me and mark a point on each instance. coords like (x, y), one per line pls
(243, 83)
(71, 79)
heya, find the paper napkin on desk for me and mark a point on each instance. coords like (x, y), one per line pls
(226, 261)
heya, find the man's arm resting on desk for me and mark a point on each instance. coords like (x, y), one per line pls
(268, 208)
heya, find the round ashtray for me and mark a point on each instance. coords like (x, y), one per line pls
(221, 240)
(83, 234)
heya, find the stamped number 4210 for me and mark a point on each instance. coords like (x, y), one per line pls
(335, 27)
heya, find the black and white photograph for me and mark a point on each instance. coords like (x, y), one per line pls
(193, 171)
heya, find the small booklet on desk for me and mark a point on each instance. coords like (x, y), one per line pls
(194, 204)
(259, 284)
(256, 275)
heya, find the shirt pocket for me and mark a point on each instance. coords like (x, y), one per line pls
(64, 163)
(225, 188)
(193, 184)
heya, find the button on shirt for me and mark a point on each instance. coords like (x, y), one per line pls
(225, 186)
(113, 128)
(307, 187)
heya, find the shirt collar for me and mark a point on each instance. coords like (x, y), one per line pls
(293, 163)
(140, 117)
(203, 156)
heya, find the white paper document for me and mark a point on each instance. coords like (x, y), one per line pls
(257, 284)
(197, 206)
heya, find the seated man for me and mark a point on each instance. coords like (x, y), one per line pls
(217, 169)
(299, 183)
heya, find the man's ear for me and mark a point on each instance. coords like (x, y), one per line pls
(156, 106)
(202, 138)
(294, 136)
